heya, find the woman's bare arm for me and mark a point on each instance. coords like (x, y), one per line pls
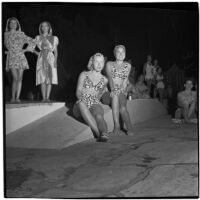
(80, 86)
(109, 75)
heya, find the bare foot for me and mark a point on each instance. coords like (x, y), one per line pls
(130, 132)
(116, 131)
(103, 137)
(12, 100)
(18, 100)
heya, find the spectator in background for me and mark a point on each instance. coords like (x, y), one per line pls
(148, 71)
(139, 90)
(159, 84)
(186, 100)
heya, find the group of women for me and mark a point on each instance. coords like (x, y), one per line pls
(16, 63)
(91, 86)
(154, 78)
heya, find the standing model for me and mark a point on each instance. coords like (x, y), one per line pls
(46, 70)
(16, 61)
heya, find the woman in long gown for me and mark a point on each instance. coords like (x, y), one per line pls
(46, 69)
(16, 61)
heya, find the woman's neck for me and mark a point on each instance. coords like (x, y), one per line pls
(45, 34)
(12, 30)
(96, 73)
(119, 62)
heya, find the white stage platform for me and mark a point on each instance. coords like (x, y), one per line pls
(59, 130)
(21, 114)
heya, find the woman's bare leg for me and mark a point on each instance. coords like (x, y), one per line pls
(191, 111)
(124, 113)
(161, 93)
(43, 90)
(14, 83)
(89, 119)
(149, 86)
(49, 86)
(19, 83)
(115, 111)
(98, 113)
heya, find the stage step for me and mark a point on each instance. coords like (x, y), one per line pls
(21, 114)
(59, 130)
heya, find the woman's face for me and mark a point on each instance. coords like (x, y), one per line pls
(141, 79)
(120, 54)
(149, 58)
(98, 63)
(13, 24)
(45, 27)
(160, 70)
(155, 62)
(188, 85)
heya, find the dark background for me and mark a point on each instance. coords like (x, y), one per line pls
(167, 31)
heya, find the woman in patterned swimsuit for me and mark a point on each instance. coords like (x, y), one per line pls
(91, 86)
(16, 61)
(117, 73)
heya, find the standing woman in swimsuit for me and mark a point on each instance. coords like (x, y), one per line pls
(46, 69)
(90, 88)
(118, 73)
(16, 61)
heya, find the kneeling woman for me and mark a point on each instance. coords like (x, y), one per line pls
(91, 86)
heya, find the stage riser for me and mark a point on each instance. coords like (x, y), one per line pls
(21, 116)
(59, 130)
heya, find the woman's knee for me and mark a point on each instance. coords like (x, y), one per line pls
(122, 109)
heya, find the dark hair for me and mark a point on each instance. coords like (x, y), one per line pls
(189, 79)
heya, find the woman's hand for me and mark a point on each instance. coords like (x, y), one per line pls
(90, 91)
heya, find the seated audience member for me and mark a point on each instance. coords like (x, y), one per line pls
(141, 88)
(186, 100)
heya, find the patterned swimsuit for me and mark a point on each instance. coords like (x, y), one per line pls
(90, 99)
(119, 73)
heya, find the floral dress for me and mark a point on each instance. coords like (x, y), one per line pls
(14, 42)
(46, 71)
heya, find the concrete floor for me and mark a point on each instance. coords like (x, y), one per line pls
(160, 160)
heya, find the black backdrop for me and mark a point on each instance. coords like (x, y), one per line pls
(167, 31)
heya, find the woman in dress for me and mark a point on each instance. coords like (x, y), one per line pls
(46, 69)
(16, 61)
(90, 88)
(118, 73)
(160, 84)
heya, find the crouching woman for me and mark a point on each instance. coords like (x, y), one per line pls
(90, 88)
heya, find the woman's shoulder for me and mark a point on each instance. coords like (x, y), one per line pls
(110, 63)
(37, 37)
(104, 77)
(83, 74)
(56, 40)
(127, 64)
